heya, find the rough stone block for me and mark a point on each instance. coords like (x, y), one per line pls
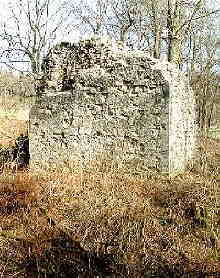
(100, 101)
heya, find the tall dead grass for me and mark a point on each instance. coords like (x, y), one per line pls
(10, 130)
(12, 85)
(154, 224)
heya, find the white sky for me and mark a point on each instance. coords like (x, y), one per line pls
(4, 14)
(74, 35)
(61, 36)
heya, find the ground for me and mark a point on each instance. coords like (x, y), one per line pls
(108, 223)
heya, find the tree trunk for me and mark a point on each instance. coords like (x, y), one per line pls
(157, 30)
(175, 36)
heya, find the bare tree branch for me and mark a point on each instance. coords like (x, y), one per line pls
(31, 27)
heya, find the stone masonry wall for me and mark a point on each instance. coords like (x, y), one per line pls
(182, 117)
(99, 100)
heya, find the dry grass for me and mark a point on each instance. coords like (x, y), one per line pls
(10, 130)
(12, 125)
(150, 226)
(108, 223)
(12, 85)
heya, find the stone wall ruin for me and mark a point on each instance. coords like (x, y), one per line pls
(99, 100)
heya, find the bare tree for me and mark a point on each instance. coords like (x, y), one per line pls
(28, 32)
(204, 74)
(171, 25)
(90, 17)
(119, 19)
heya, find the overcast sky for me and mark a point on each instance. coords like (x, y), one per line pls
(61, 36)
(75, 35)
(215, 4)
(4, 14)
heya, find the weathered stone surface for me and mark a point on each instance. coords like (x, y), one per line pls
(100, 101)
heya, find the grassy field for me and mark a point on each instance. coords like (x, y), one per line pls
(214, 133)
(72, 223)
(15, 85)
(14, 116)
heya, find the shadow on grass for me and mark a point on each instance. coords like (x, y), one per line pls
(65, 258)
